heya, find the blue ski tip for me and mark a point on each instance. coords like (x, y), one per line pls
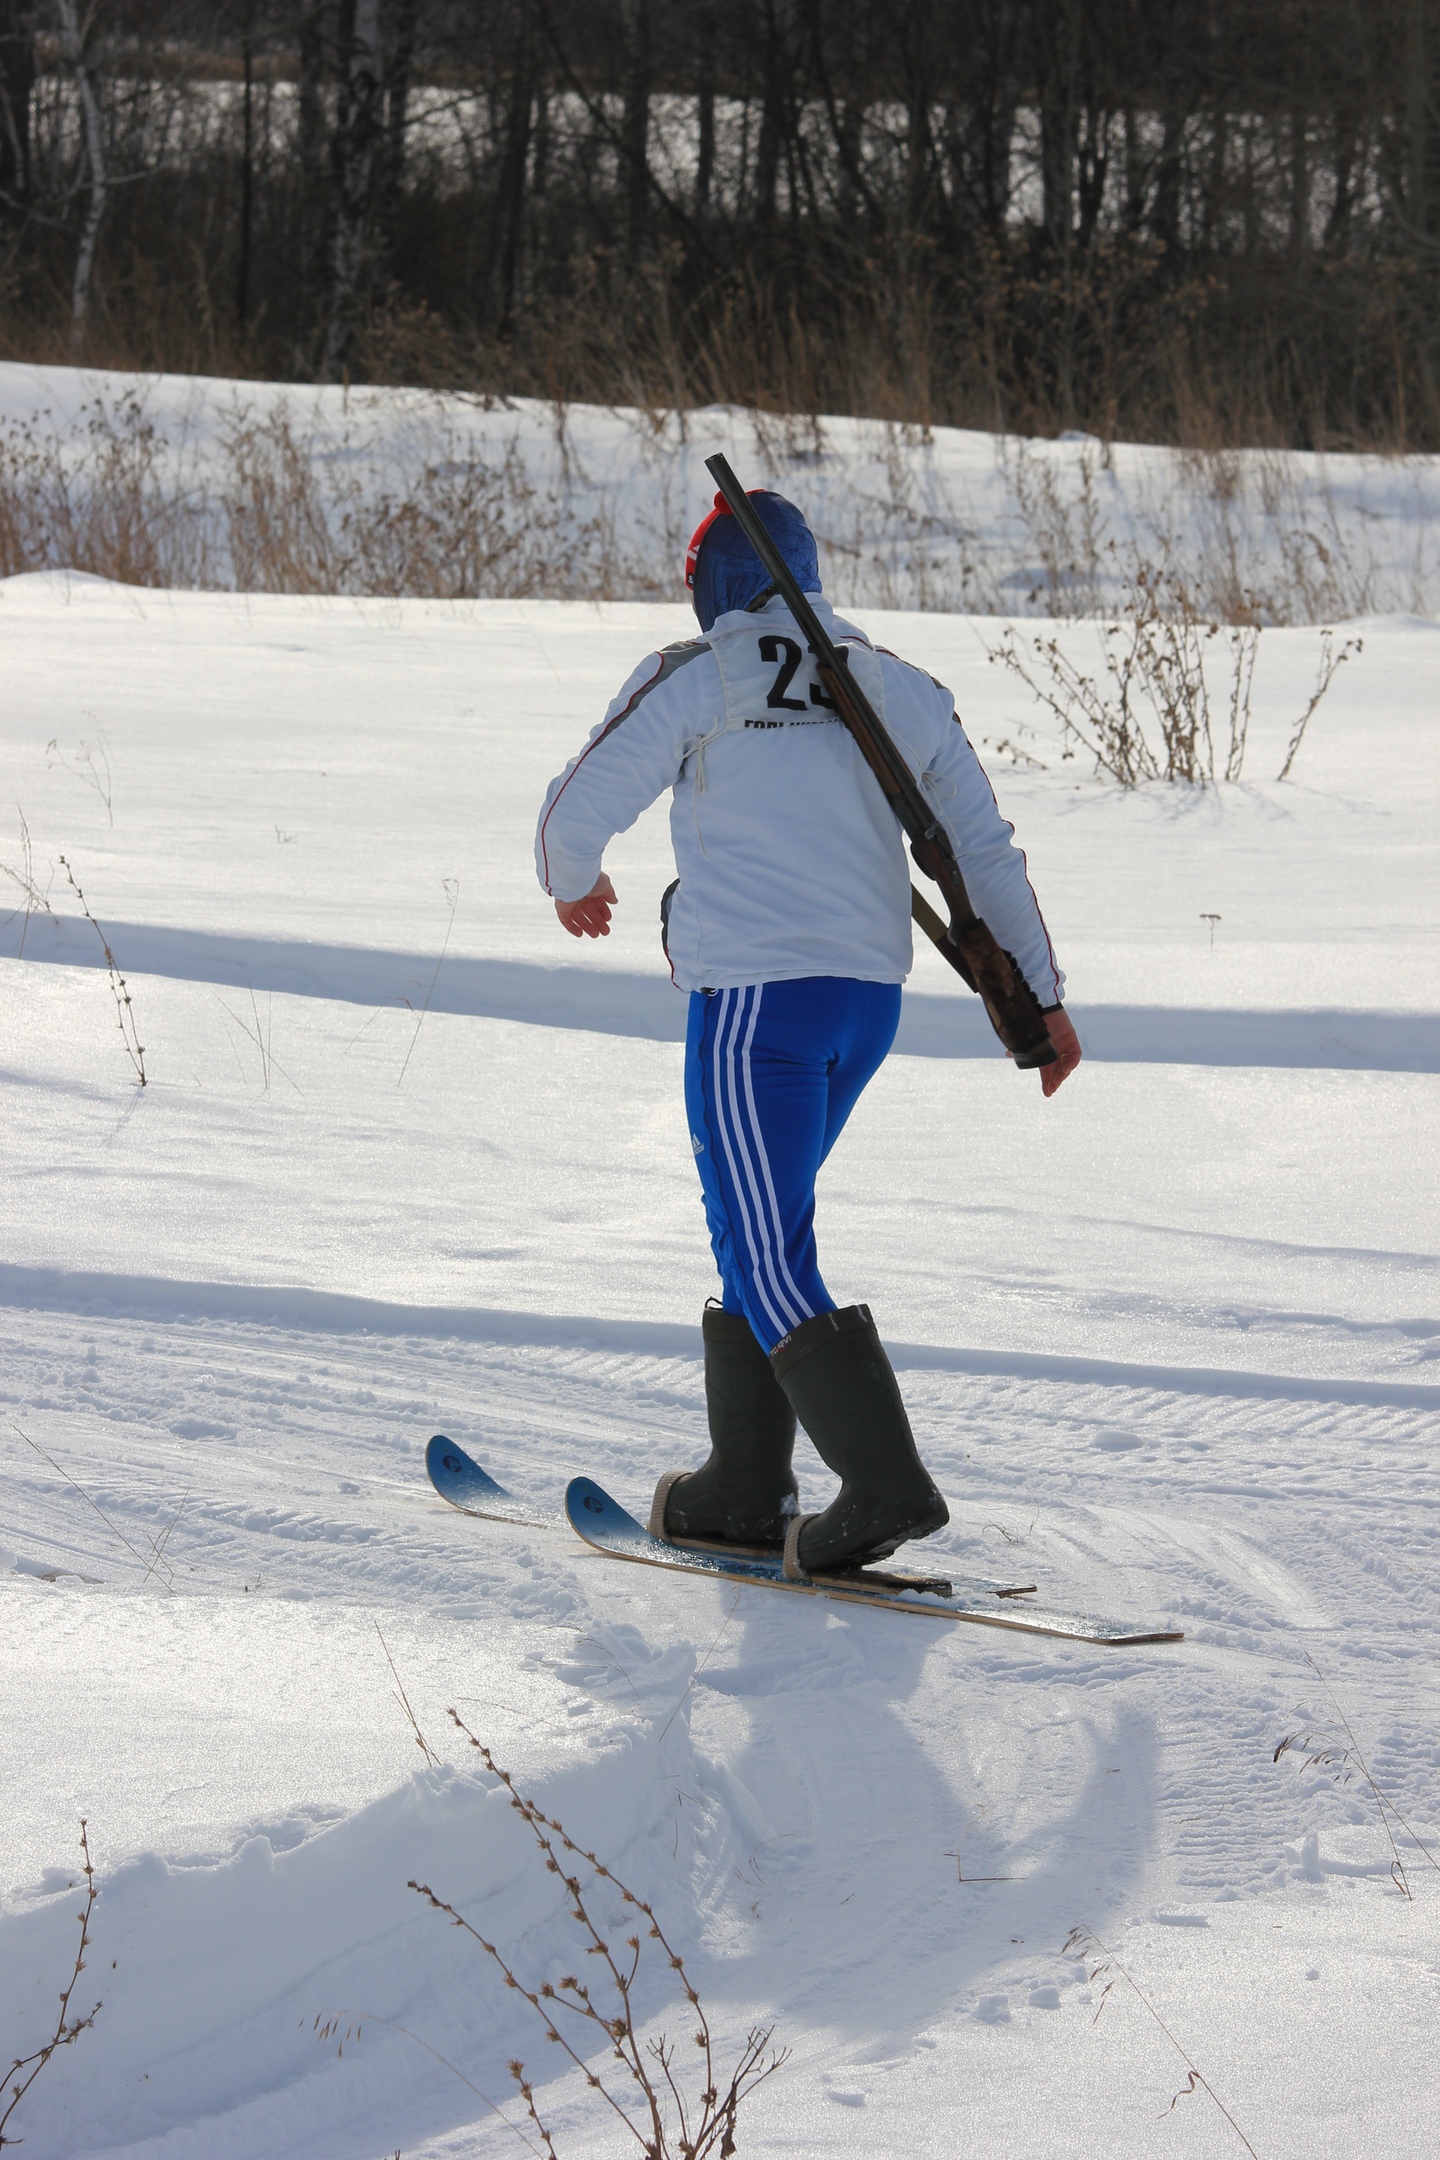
(461, 1481)
(594, 1514)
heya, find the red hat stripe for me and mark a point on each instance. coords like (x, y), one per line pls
(692, 553)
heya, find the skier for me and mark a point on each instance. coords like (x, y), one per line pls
(789, 925)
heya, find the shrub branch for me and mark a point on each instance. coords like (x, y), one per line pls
(671, 2128)
(67, 2029)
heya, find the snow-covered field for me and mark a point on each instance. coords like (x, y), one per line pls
(1169, 1343)
(283, 487)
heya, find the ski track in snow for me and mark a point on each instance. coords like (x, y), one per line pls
(1122, 1788)
(1169, 1345)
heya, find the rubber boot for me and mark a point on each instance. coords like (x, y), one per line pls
(837, 1376)
(745, 1494)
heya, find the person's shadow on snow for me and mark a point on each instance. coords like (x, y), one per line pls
(895, 1762)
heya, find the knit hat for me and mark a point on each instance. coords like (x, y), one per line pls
(722, 570)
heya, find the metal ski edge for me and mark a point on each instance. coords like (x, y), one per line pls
(610, 1530)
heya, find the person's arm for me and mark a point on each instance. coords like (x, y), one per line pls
(630, 759)
(993, 866)
(999, 885)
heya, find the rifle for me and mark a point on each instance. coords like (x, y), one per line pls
(969, 945)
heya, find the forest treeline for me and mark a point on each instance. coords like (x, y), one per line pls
(1204, 221)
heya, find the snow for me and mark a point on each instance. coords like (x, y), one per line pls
(596, 501)
(1169, 1344)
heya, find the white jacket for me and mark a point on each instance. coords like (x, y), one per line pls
(791, 860)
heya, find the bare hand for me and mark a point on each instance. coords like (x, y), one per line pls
(590, 917)
(1067, 1051)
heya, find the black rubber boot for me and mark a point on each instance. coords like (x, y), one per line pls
(745, 1494)
(835, 1372)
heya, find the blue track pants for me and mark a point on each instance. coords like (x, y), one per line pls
(771, 1074)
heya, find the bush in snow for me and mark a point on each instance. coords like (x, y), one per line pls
(1152, 718)
(671, 2127)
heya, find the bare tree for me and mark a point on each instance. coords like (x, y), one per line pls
(357, 141)
(97, 172)
(17, 82)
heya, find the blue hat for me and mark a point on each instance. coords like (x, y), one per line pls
(724, 572)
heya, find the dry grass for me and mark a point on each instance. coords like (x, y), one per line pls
(270, 505)
(1320, 1754)
(1082, 1942)
(1152, 715)
(277, 512)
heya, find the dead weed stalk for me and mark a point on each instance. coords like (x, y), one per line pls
(671, 2127)
(1322, 1753)
(67, 2029)
(1083, 1942)
(451, 889)
(129, 1034)
(157, 1564)
(35, 901)
(90, 764)
(1330, 660)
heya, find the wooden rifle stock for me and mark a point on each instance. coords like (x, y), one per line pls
(968, 944)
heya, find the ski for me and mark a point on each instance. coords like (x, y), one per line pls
(461, 1481)
(609, 1529)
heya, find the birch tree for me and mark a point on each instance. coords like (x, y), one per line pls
(357, 142)
(96, 171)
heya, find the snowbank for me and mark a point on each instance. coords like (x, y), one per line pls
(270, 487)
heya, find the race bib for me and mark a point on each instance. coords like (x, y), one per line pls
(771, 680)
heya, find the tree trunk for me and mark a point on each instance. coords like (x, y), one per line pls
(1345, 156)
(997, 141)
(920, 84)
(1135, 178)
(503, 254)
(1056, 58)
(1213, 208)
(772, 119)
(1092, 169)
(399, 66)
(1165, 208)
(1422, 119)
(17, 81)
(1299, 182)
(636, 131)
(705, 108)
(357, 139)
(97, 171)
(247, 168)
(310, 144)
